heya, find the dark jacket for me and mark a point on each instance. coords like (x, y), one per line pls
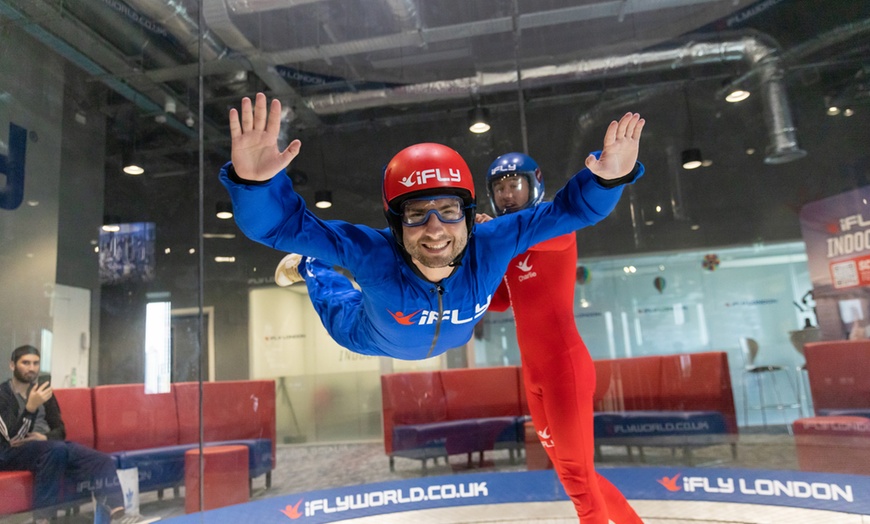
(16, 422)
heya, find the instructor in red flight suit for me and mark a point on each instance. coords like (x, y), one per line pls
(558, 371)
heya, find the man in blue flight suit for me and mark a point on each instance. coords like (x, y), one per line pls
(426, 280)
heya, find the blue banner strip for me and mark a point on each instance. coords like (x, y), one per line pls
(834, 492)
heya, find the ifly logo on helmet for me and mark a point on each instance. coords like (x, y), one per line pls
(507, 168)
(423, 176)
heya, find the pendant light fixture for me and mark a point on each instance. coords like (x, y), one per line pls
(224, 210)
(690, 158)
(478, 120)
(323, 197)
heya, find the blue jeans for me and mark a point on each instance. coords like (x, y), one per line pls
(53, 461)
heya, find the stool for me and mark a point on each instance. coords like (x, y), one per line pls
(536, 455)
(833, 444)
(749, 351)
(225, 477)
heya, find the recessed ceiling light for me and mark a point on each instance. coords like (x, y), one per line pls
(738, 95)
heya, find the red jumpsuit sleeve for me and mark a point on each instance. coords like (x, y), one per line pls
(559, 243)
(501, 300)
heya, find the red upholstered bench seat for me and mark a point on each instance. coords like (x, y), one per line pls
(448, 412)
(16, 491)
(677, 401)
(833, 444)
(839, 381)
(153, 431)
(686, 399)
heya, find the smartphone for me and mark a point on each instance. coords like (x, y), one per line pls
(42, 379)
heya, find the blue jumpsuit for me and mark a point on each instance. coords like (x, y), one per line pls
(398, 313)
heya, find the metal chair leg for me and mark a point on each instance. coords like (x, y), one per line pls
(761, 402)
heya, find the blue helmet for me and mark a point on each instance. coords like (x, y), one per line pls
(515, 165)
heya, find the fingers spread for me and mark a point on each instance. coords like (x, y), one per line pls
(235, 126)
(292, 150)
(274, 125)
(260, 112)
(609, 136)
(591, 160)
(635, 133)
(247, 115)
(624, 122)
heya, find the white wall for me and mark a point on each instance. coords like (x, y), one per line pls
(71, 312)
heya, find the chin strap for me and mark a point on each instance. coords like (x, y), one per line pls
(458, 260)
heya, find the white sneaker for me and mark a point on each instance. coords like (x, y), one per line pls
(287, 272)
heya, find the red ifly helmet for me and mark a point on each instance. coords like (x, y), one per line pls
(422, 170)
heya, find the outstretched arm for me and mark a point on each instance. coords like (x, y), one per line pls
(255, 151)
(620, 150)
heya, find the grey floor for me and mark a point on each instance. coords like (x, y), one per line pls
(307, 467)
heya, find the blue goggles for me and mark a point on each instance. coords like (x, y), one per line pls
(416, 211)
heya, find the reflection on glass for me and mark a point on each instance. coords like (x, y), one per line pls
(83, 82)
(158, 355)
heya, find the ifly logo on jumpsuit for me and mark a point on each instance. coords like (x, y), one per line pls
(373, 499)
(430, 317)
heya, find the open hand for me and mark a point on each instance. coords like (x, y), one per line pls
(255, 151)
(619, 153)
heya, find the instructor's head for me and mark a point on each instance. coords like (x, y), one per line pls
(514, 182)
(428, 197)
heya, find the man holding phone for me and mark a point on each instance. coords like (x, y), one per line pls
(33, 433)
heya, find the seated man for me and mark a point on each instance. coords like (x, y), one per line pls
(32, 439)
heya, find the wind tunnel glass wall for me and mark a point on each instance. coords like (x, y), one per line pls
(675, 303)
(163, 330)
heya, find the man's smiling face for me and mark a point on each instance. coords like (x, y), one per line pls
(435, 244)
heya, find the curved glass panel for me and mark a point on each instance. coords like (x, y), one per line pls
(723, 309)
